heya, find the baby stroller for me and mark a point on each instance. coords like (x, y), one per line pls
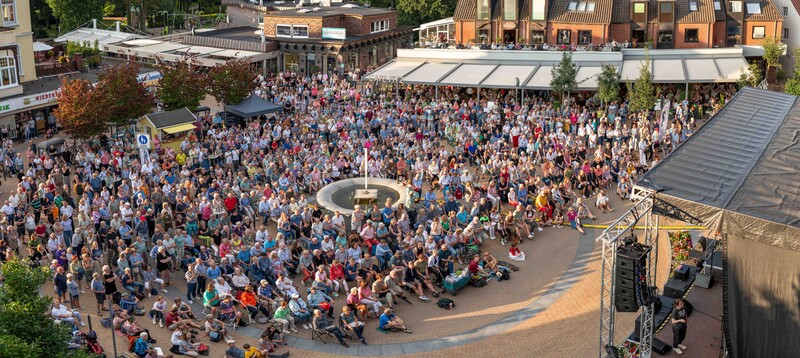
(88, 342)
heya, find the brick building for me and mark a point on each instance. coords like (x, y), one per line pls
(336, 37)
(667, 23)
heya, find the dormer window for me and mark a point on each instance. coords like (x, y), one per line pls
(582, 6)
(692, 6)
(510, 10)
(717, 5)
(753, 7)
(483, 10)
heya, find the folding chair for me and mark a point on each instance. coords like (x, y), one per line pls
(346, 333)
(321, 334)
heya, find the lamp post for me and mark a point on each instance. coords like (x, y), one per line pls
(367, 145)
(516, 85)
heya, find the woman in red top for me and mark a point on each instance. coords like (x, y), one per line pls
(337, 276)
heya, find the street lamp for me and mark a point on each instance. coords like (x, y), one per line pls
(516, 85)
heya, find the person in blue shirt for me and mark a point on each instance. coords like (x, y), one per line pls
(390, 322)
(213, 271)
(387, 213)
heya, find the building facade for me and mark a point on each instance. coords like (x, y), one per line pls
(17, 63)
(665, 23)
(790, 30)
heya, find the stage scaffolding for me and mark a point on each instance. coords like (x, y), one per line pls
(611, 239)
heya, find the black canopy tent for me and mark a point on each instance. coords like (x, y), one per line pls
(740, 176)
(251, 106)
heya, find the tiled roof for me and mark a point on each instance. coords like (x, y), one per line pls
(703, 15)
(768, 13)
(621, 13)
(601, 15)
(465, 10)
(796, 4)
(720, 14)
(497, 10)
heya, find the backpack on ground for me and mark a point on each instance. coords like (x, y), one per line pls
(445, 303)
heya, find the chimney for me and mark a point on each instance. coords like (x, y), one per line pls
(94, 24)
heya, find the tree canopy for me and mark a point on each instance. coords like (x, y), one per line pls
(231, 82)
(74, 13)
(793, 84)
(122, 96)
(608, 84)
(26, 328)
(641, 93)
(563, 75)
(78, 110)
(182, 85)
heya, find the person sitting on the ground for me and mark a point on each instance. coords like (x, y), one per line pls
(321, 323)
(475, 269)
(390, 322)
(174, 320)
(64, 314)
(141, 347)
(215, 329)
(181, 345)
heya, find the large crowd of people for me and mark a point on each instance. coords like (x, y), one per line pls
(229, 211)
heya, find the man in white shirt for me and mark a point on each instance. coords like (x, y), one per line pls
(222, 287)
(64, 314)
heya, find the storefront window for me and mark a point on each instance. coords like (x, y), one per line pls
(8, 72)
(563, 37)
(537, 36)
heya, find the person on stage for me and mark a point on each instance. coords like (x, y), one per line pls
(678, 326)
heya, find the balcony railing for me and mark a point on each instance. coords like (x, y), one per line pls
(55, 68)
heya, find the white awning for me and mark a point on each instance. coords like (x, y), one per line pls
(233, 53)
(41, 46)
(669, 71)
(506, 75)
(468, 75)
(730, 68)
(429, 73)
(103, 37)
(394, 69)
(630, 70)
(701, 70)
(198, 50)
(541, 79)
(587, 77)
(162, 47)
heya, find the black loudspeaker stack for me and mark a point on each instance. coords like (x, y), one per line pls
(630, 277)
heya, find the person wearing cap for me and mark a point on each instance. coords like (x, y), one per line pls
(300, 310)
(320, 323)
(233, 351)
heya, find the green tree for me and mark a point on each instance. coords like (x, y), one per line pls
(26, 328)
(74, 13)
(773, 50)
(751, 76)
(641, 93)
(563, 76)
(232, 82)
(793, 84)
(415, 12)
(122, 97)
(182, 85)
(608, 84)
